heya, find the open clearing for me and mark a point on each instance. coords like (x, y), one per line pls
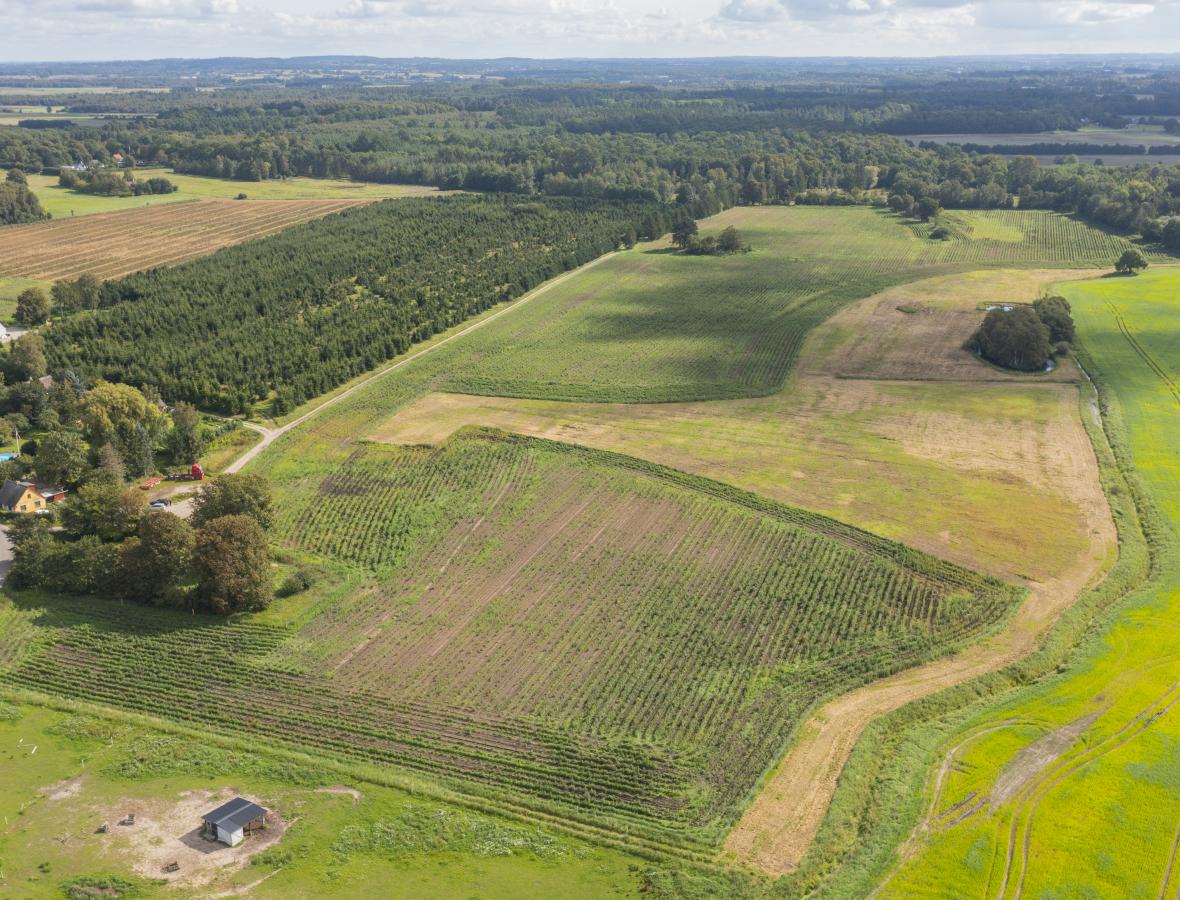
(654, 326)
(330, 841)
(1141, 135)
(113, 244)
(168, 830)
(64, 203)
(1072, 828)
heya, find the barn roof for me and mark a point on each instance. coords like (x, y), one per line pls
(236, 814)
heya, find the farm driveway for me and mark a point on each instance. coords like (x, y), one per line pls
(5, 554)
(270, 435)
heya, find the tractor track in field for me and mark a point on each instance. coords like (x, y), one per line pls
(1029, 799)
(1169, 382)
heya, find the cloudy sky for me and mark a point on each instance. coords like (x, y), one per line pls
(125, 29)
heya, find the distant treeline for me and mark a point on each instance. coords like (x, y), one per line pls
(701, 148)
(307, 309)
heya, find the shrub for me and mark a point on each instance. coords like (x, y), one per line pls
(296, 583)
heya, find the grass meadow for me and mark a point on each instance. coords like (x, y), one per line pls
(651, 325)
(1096, 816)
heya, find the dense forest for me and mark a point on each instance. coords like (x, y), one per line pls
(307, 309)
(806, 137)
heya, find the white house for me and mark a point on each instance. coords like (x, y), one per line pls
(232, 821)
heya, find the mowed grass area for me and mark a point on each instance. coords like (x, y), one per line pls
(63, 774)
(554, 627)
(1098, 816)
(915, 439)
(653, 325)
(64, 203)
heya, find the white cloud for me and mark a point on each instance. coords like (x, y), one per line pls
(112, 29)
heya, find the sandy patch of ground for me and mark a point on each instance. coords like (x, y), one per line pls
(1035, 758)
(342, 790)
(168, 830)
(63, 790)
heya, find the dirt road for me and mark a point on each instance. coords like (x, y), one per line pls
(270, 435)
(779, 826)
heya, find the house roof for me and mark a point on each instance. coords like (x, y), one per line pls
(12, 491)
(236, 814)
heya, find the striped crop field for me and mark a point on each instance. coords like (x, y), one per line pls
(109, 245)
(567, 630)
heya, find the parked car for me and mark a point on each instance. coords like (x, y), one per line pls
(162, 503)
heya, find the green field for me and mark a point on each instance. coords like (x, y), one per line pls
(62, 203)
(651, 325)
(1101, 818)
(64, 774)
(11, 288)
(473, 620)
(687, 626)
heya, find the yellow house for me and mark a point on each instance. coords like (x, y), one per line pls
(22, 496)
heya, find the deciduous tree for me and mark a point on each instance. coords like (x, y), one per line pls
(232, 562)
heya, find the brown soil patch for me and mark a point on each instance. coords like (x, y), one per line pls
(63, 790)
(109, 245)
(342, 790)
(916, 331)
(1035, 758)
(167, 831)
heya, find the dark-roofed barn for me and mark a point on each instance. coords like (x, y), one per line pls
(232, 821)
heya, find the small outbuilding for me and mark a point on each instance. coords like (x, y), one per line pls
(231, 822)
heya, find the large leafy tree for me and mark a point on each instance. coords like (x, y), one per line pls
(232, 563)
(1015, 339)
(234, 495)
(62, 457)
(121, 415)
(105, 509)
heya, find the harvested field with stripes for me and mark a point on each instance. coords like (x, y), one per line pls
(566, 629)
(109, 245)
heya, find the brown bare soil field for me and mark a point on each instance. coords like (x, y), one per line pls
(109, 245)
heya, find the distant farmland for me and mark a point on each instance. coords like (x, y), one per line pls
(110, 245)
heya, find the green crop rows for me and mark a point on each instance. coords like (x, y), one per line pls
(638, 662)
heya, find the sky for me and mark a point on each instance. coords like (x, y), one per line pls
(140, 29)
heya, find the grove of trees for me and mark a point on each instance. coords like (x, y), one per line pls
(1023, 337)
(317, 304)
